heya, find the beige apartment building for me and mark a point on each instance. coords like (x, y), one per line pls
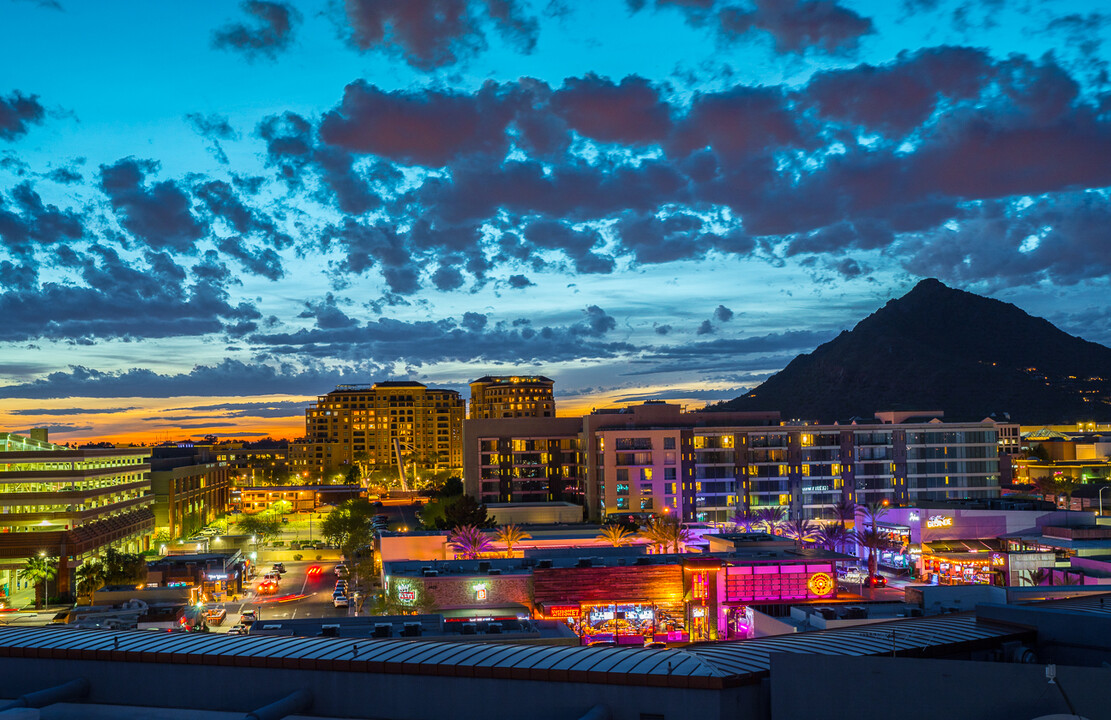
(360, 423)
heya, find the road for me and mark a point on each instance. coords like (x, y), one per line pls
(316, 601)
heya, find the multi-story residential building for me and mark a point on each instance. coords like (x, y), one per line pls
(254, 465)
(519, 460)
(364, 423)
(705, 466)
(191, 488)
(512, 396)
(70, 504)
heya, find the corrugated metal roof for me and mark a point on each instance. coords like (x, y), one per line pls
(702, 666)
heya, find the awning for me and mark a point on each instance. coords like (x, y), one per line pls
(499, 611)
(963, 546)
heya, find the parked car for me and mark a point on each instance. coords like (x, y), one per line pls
(237, 629)
(875, 581)
(339, 601)
(279, 567)
(342, 571)
(247, 617)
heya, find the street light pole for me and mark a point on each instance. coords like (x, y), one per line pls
(1105, 487)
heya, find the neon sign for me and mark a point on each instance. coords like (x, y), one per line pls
(820, 584)
(407, 596)
(480, 593)
(563, 612)
(939, 521)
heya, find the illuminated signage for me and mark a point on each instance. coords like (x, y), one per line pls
(998, 560)
(820, 584)
(480, 593)
(939, 521)
(407, 596)
(563, 612)
(914, 517)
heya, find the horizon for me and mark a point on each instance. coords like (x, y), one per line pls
(207, 228)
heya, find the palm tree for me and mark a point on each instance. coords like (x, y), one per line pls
(801, 531)
(1038, 576)
(833, 536)
(874, 540)
(656, 533)
(91, 577)
(469, 541)
(512, 535)
(771, 518)
(616, 535)
(844, 510)
(744, 520)
(37, 571)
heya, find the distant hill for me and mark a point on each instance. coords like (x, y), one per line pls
(937, 348)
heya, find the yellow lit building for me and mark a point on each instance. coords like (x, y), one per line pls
(509, 396)
(359, 424)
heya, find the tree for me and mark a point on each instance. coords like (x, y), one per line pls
(91, 576)
(262, 526)
(452, 487)
(801, 531)
(844, 510)
(625, 521)
(123, 568)
(744, 520)
(464, 510)
(1037, 577)
(348, 526)
(662, 532)
(833, 536)
(875, 541)
(771, 518)
(512, 535)
(469, 541)
(352, 477)
(616, 535)
(36, 572)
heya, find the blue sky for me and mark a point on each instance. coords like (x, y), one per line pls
(211, 211)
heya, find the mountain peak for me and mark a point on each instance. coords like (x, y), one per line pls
(941, 347)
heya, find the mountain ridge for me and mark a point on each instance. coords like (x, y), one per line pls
(941, 348)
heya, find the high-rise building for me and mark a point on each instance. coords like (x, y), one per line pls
(70, 504)
(512, 396)
(360, 424)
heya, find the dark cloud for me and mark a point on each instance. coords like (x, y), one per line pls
(723, 314)
(160, 214)
(270, 31)
(663, 329)
(270, 409)
(65, 175)
(420, 128)
(796, 26)
(437, 33)
(213, 128)
(148, 298)
(17, 113)
(630, 112)
(706, 328)
(71, 411)
(229, 378)
(898, 97)
(389, 340)
(519, 282)
(26, 221)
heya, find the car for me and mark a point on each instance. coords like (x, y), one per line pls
(313, 571)
(272, 575)
(850, 574)
(238, 629)
(875, 581)
(267, 587)
(278, 567)
(342, 571)
(247, 617)
(339, 601)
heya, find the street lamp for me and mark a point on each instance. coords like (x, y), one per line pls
(1105, 487)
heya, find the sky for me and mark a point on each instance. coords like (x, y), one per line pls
(213, 212)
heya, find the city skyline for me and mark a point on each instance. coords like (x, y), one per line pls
(212, 214)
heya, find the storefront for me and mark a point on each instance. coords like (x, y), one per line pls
(964, 568)
(903, 555)
(624, 605)
(740, 587)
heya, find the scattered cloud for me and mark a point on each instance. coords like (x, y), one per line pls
(268, 33)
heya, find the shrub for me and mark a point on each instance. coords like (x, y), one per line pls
(297, 556)
(318, 557)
